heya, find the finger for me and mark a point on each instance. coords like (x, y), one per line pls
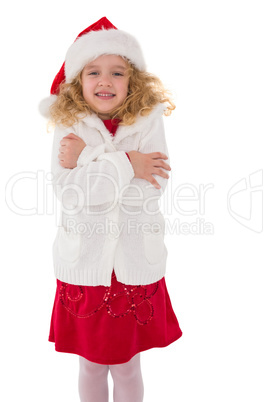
(66, 165)
(66, 142)
(155, 183)
(151, 179)
(161, 163)
(62, 162)
(158, 155)
(71, 136)
(65, 151)
(161, 173)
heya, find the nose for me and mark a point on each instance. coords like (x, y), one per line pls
(105, 81)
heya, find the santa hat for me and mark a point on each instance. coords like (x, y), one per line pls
(98, 39)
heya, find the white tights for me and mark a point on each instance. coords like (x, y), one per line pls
(127, 378)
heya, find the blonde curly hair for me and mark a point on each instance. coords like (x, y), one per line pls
(145, 91)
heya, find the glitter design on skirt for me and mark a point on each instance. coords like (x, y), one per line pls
(118, 299)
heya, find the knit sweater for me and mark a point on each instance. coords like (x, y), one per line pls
(112, 126)
(109, 219)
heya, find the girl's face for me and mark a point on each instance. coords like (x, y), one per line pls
(105, 84)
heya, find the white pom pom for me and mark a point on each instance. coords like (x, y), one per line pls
(45, 104)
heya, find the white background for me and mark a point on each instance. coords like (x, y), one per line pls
(213, 56)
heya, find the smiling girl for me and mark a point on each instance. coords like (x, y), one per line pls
(105, 84)
(110, 168)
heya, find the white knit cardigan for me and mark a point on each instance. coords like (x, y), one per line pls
(109, 219)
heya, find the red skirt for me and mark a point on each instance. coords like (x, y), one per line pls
(109, 325)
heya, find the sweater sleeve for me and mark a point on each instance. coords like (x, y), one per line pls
(98, 178)
(140, 190)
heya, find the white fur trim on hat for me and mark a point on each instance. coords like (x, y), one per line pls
(96, 43)
(45, 104)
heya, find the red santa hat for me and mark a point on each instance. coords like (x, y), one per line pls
(98, 39)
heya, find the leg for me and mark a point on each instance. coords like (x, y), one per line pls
(93, 381)
(128, 384)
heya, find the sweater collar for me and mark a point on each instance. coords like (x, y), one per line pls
(140, 125)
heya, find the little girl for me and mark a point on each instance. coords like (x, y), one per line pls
(109, 166)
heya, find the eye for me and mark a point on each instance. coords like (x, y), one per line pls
(118, 74)
(93, 73)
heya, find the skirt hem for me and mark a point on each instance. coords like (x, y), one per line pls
(113, 361)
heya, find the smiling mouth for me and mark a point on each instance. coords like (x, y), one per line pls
(105, 95)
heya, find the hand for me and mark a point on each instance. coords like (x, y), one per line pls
(145, 165)
(70, 149)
